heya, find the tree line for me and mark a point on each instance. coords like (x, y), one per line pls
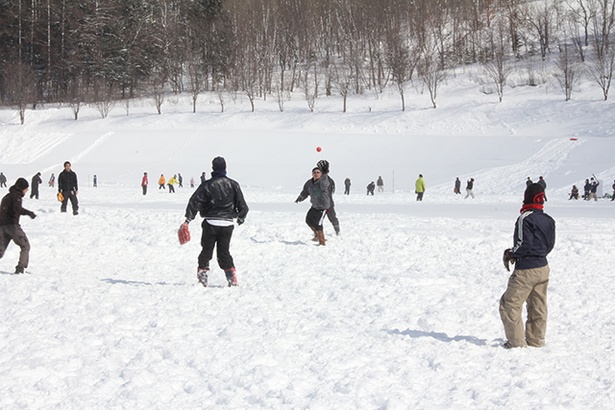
(102, 52)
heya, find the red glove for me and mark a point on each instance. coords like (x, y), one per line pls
(183, 234)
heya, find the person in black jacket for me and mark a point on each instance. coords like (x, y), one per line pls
(533, 239)
(219, 200)
(67, 185)
(10, 211)
(36, 180)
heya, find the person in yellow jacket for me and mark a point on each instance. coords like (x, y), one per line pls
(419, 188)
(172, 181)
(161, 182)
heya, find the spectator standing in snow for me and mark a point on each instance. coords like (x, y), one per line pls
(533, 239)
(528, 182)
(191, 182)
(144, 183)
(457, 189)
(380, 184)
(574, 193)
(470, 188)
(161, 182)
(203, 178)
(317, 188)
(36, 180)
(10, 211)
(67, 185)
(419, 188)
(171, 183)
(2, 180)
(180, 179)
(543, 183)
(95, 181)
(52, 180)
(593, 189)
(347, 186)
(219, 200)
(586, 189)
(370, 188)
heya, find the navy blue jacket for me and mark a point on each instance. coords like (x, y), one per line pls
(534, 238)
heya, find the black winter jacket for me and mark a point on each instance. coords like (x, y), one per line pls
(11, 209)
(219, 198)
(67, 181)
(534, 238)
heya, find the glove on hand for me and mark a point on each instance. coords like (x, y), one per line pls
(240, 221)
(323, 165)
(32, 215)
(508, 259)
(183, 234)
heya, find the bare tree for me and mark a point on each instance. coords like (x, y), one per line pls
(601, 70)
(399, 57)
(196, 82)
(429, 69)
(19, 87)
(498, 67)
(567, 69)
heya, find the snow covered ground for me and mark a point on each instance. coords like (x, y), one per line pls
(398, 312)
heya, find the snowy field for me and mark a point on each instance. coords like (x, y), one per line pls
(398, 312)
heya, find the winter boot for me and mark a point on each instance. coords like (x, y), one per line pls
(19, 269)
(315, 238)
(231, 277)
(201, 275)
(321, 237)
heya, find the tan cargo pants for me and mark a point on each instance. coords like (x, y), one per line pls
(526, 286)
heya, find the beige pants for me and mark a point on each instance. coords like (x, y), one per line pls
(526, 286)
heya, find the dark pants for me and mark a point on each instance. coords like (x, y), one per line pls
(144, 189)
(333, 218)
(419, 196)
(70, 195)
(15, 233)
(315, 218)
(34, 192)
(171, 188)
(219, 237)
(347, 190)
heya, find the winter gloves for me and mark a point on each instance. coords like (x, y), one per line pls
(508, 259)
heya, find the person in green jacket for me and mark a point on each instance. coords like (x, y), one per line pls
(419, 188)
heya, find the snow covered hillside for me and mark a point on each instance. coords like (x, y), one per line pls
(398, 312)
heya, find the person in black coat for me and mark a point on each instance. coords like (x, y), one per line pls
(36, 180)
(10, 211)
(68, 186)
(457, 189)
(219, 200)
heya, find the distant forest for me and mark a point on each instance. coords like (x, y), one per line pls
(102, 51)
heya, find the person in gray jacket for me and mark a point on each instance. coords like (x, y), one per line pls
(317, 188)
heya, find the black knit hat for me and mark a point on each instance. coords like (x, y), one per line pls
(218, 164)
(22, 183)
(534, 194)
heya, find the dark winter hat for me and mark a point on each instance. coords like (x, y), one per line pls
(218, 164)
(534, 194)
(22, 183)
(67, 163)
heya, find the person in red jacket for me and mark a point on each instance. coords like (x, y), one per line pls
(144, 183)
(10, 211)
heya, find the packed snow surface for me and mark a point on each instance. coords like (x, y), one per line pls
(399, 311)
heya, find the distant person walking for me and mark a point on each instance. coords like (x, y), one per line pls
(2, 180)
(67, 185)
(36, 180)
(380, 184)
(95, 182)
(10, 210)
(171, 183)
(180, 179)
(191, 182)
(144, 183)
(470, 188)
(347, 186)
(419, 187)
(457, 189)
(370, 188)
(52, 180)
(543, 183)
